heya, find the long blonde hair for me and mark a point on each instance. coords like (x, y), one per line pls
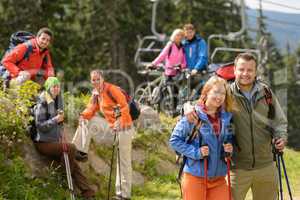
(176, 32)
(229, 103)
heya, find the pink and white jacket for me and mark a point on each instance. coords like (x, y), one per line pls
(173, 56)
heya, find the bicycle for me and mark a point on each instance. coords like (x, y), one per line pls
(158, 93)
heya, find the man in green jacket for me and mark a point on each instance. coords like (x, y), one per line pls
(258, 122)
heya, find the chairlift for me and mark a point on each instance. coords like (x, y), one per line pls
(151, 45)
(260, 51)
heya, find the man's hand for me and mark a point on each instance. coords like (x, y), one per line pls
(81, 120)
(190, 113)
(22, 77)
(279, 144)
(194, 72)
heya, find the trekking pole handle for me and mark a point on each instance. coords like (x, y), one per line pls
(274, 149)
(227, 154)
(117, 111)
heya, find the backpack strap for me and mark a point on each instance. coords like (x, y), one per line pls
(29, 49)
(191, 137)
(110, 95)
(269, 101)
(170, 50)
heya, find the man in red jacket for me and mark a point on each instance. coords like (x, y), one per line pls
(38, 61)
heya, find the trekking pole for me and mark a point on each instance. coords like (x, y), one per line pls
(67, 162)
(205, 171)
(111, 166)
(117, 115)
(119, 163)
(275, 151)
(285, 174)
(228, 160)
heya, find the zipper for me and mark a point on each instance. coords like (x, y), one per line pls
(252, 140)
(249, 108)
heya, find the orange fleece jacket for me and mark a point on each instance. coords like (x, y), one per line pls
(105, 104)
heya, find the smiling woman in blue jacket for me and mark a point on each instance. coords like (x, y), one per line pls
(213, 139)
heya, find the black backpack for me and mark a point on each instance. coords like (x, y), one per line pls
(31, 128)
(16, 39)
(134, 108)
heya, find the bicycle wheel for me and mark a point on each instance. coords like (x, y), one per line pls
(167, 103)
(142, 94)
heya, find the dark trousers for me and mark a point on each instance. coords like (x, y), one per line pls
(55, 152)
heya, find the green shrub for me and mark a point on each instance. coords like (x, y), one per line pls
(73, 106)
(14, 108)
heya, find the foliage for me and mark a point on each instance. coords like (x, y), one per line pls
(83, 40)
(16, 182)
(14, 108)
(73, 106)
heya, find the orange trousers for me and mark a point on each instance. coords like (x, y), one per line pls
(193, 188)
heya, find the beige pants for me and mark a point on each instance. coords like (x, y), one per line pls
(263, 183)
(82, 141)
(125, 167)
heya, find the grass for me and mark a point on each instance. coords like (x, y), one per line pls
(16, 182)
(166, 187)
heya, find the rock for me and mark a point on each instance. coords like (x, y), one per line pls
(165, 167)
(98, 165)
(38, 164)
(137, 178)
(138, 156)
(149, 118)
(100, 130)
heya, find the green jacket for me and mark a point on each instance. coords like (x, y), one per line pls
(253, 138)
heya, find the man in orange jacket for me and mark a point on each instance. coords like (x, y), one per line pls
(105, 98)
(38, 61)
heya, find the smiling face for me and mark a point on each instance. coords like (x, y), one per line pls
(178, 37)
(189, 34)
(245, 72)
(43, 40)
(97, 81)
(55, 90)
(216, 96)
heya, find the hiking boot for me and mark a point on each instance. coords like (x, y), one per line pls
(81, 156)
(117, 197)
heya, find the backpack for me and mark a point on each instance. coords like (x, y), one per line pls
(189, 140)
(226, 71)
(16, 38)
(134, 108)
(31, 128)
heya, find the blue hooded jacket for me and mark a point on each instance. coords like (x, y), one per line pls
(196, 53)
(195, 163)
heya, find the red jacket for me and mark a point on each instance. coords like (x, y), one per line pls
(33, 64)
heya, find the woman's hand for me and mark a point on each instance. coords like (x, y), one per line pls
(228, 148)
(204, 151)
